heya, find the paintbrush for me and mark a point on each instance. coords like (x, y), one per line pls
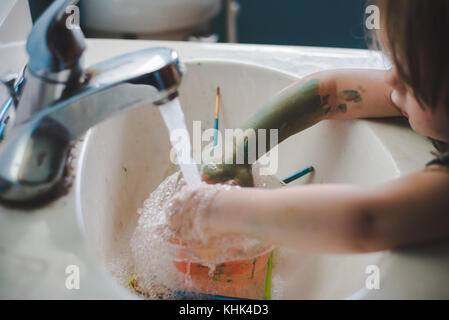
(217, 115)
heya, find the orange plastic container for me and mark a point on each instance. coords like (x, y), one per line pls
(225, 270)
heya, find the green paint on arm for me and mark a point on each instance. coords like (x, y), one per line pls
(343, 108)
(351, 95)
(292, 110)
(325, 100)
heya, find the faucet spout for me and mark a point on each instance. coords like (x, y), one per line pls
(33, 166)
(59, 100)
(147, 76)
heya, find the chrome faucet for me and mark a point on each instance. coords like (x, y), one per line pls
(59, 100)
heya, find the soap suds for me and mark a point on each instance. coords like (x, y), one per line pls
(150, 254)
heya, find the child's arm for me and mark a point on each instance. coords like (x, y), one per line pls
(330, 218)
(333, 94)
(339, 218)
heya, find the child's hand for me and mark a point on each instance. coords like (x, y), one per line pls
(188, 211)
(214, 169)
(231, 174)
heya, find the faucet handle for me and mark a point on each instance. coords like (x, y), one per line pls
(53, 45)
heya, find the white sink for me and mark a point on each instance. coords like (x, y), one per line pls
(125, 158)
(147, 17)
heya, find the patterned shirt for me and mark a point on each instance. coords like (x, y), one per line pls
(443, 157)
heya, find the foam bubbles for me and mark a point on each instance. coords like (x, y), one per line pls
(154, 253)
(153, 261)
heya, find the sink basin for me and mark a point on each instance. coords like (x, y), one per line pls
(125, 158)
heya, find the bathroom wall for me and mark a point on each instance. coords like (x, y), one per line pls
(329, 23)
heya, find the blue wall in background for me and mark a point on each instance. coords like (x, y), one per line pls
(334, 23)
(331, 23)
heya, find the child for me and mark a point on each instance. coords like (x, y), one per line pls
(345, 218)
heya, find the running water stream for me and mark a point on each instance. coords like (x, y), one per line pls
(174, 120)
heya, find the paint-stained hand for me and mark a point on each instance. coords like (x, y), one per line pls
(214, 170)
(231, 174)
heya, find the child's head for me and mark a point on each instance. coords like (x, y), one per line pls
(414, 33)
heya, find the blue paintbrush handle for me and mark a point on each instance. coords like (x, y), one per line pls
(298, 175)
(216, 132)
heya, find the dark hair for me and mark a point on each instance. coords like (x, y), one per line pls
(414, 33)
